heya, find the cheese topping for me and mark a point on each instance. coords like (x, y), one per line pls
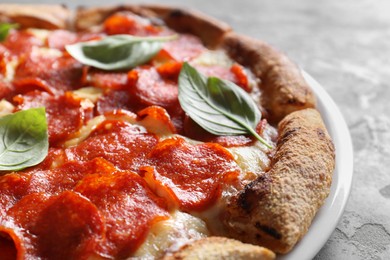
(6, 108)
(169, 235)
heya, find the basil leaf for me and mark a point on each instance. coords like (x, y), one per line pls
(118, 51)
(218, 106)
(24, 139)
(4, 30)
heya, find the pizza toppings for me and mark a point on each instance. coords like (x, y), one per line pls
(66, 113)
(48, 71)
(220, 107)
(119, 143)
(116, 169)
(66, 226)
(130, 23)
(118, 52)
(150, 88)
(129, 209)
(24, 141)
(20, 42)
(190, 174)
(185, 48)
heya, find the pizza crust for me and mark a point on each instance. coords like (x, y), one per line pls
(36, 16)
(213, 248)
(209, 30)
(284, 90)
(277, 209)
(86, 18)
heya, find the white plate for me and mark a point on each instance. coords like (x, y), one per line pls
(330, 213)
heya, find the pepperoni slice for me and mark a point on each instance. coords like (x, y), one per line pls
(7, 247)
(58, 39)
(124, 146)
(65, 177)
(65, 113)
(149, 88)
(113, 100)
(108, 80)
(129, 209)
(6, 89)
(28, 84)
(129, 23)
(60, 73)
(191, 174)
(185, 48)
(12, 189)
(67, 226)
(19, 42)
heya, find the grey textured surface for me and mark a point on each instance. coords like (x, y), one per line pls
(345, 45)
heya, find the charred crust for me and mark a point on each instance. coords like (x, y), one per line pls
(268, 230)
(176, 13)
(287, 135)
(253, 192)
(299, 179)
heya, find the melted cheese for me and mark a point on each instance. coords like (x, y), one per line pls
(85, 131)
(169, 235)
(41, 34)
(6, 108)
(252, 160)
(46, 52)
(90, 93)
(10, 69)
(214, 57)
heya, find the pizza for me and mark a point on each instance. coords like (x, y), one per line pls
(142, 131)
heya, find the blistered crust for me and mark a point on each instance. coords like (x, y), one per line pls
(36, 16)
(220, 248)
(277, 209)
(284, 90)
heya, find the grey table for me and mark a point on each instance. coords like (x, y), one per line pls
(345, 45)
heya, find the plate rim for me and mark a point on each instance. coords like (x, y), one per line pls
(329, 215)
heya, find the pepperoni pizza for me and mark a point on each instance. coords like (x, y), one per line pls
(152, 132)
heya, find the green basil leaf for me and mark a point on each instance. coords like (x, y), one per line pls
(24, 139)
(4, 30)
(118, 51)
(218, 106)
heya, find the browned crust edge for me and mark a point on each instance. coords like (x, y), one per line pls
(208, 29)
(277, 209)
(283, 86)
(36, 16)
(220, 248)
